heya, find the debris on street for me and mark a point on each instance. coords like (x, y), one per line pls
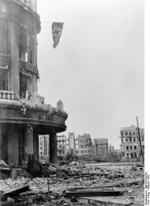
(76, 184)
(4, 169)
(94, 192)
(14, 192)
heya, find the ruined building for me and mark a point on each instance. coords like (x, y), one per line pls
(84, 146)
(67, 145)
(44, 148)
(100, 149)
(61, 146)
(130, 143)
(23, 114)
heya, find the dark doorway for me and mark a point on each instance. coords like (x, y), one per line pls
(25, 86)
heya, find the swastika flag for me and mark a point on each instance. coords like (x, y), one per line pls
(56, 31)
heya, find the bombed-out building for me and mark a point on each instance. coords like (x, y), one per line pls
(84, 146)
(100, 149)
(132, 143)
(23, 114)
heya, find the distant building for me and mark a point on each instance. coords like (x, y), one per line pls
(130, 144)
(71, 144)
(101, 149)
(61, 146)
(44, 148)
(66, 145)
(118, 154)
(113, 154)
(84, 146)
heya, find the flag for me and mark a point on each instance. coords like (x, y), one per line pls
(56, 31)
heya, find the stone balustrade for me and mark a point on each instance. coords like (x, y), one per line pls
(7, 95)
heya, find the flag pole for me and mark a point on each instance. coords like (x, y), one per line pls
(138, 130)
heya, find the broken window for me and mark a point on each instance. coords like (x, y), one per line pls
(3, 79)
(127, 155)
(26, 46)
(23, 44)
(25, 86)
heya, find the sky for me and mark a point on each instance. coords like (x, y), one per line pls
(97, 69)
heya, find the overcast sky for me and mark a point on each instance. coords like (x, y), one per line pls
(97, 69)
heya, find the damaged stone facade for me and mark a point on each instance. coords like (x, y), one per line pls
(130, 144)
(101, 149)
(23, 114)
(85, 146)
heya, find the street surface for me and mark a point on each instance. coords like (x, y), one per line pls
(79, 178)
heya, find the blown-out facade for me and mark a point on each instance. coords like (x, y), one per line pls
(23, 114)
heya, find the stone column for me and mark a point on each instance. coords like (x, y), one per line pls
(13, 145)
(53, 147)
(14, 58)
(21, 143)
(34, 77)
(28, 144)
(36, 144)
(1, 142)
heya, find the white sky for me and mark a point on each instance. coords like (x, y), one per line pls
(97, 69)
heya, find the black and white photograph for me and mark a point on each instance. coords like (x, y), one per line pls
(72, 103)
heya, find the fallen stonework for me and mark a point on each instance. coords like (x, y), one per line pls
(76, 184)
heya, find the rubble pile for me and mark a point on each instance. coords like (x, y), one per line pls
(76, 180)
(4, 169)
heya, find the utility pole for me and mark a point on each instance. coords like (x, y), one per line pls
(138, 130)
